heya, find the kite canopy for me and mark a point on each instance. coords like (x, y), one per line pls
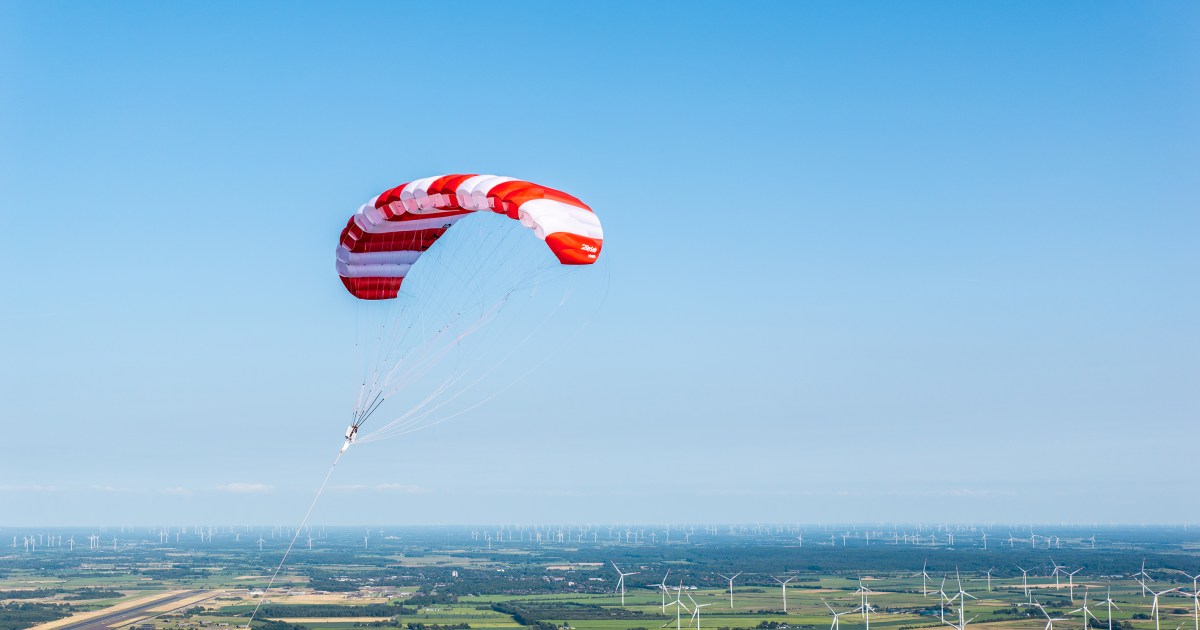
(386, 237)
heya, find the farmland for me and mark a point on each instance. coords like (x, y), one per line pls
(509, 576)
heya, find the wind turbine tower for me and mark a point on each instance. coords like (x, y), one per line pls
(783, 584)
(696, 610)
(1049, 620)
(621, 581)
(1154, 606)
(1142, 576)
(1025, 584)
(962, 603)
(1195, 600)
(731, 579)
(1055, 574)
(1071, 578)
(663, 586)
(866, 610)
(1111, 605)
(836, 616)
(862, 593)
(679, 605)
(1084, 609)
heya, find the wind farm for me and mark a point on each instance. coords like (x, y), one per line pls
(597, 577)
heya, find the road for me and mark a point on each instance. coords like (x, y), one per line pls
(108, 620)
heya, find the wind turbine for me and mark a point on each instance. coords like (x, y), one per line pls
(836, 615)
(663, 586)
(1071, 577)
(866, 610)
(260, 542)
(964, 625)
(1057, 570)
(1195, 599)
(1085, 610)
(942, 599)
(924, 576)
(1143, 574)
(989, 578)
(678, 605)
(1025, 583)
(961, 626)
(696, 610)
(962, 596)
(862, 592)
(1154, 606)
(784, 583)
(1049, 620)
(1111, 605)
(731, 579)
(621, 581)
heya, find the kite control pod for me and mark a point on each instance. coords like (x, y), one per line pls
(351, 431)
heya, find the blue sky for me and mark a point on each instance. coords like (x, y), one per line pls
(869, 261)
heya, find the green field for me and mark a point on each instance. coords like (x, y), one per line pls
(438, 579)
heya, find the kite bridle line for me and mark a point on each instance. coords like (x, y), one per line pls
(487, 264)
(403, 424)
(431, 353)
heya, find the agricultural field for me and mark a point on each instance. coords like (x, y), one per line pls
(604, 579)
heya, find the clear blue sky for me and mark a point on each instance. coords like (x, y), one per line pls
(870, 261)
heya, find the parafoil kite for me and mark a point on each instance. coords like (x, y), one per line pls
(386, 237)
(485, 273)
(384, 240)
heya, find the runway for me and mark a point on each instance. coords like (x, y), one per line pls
(108, 619)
